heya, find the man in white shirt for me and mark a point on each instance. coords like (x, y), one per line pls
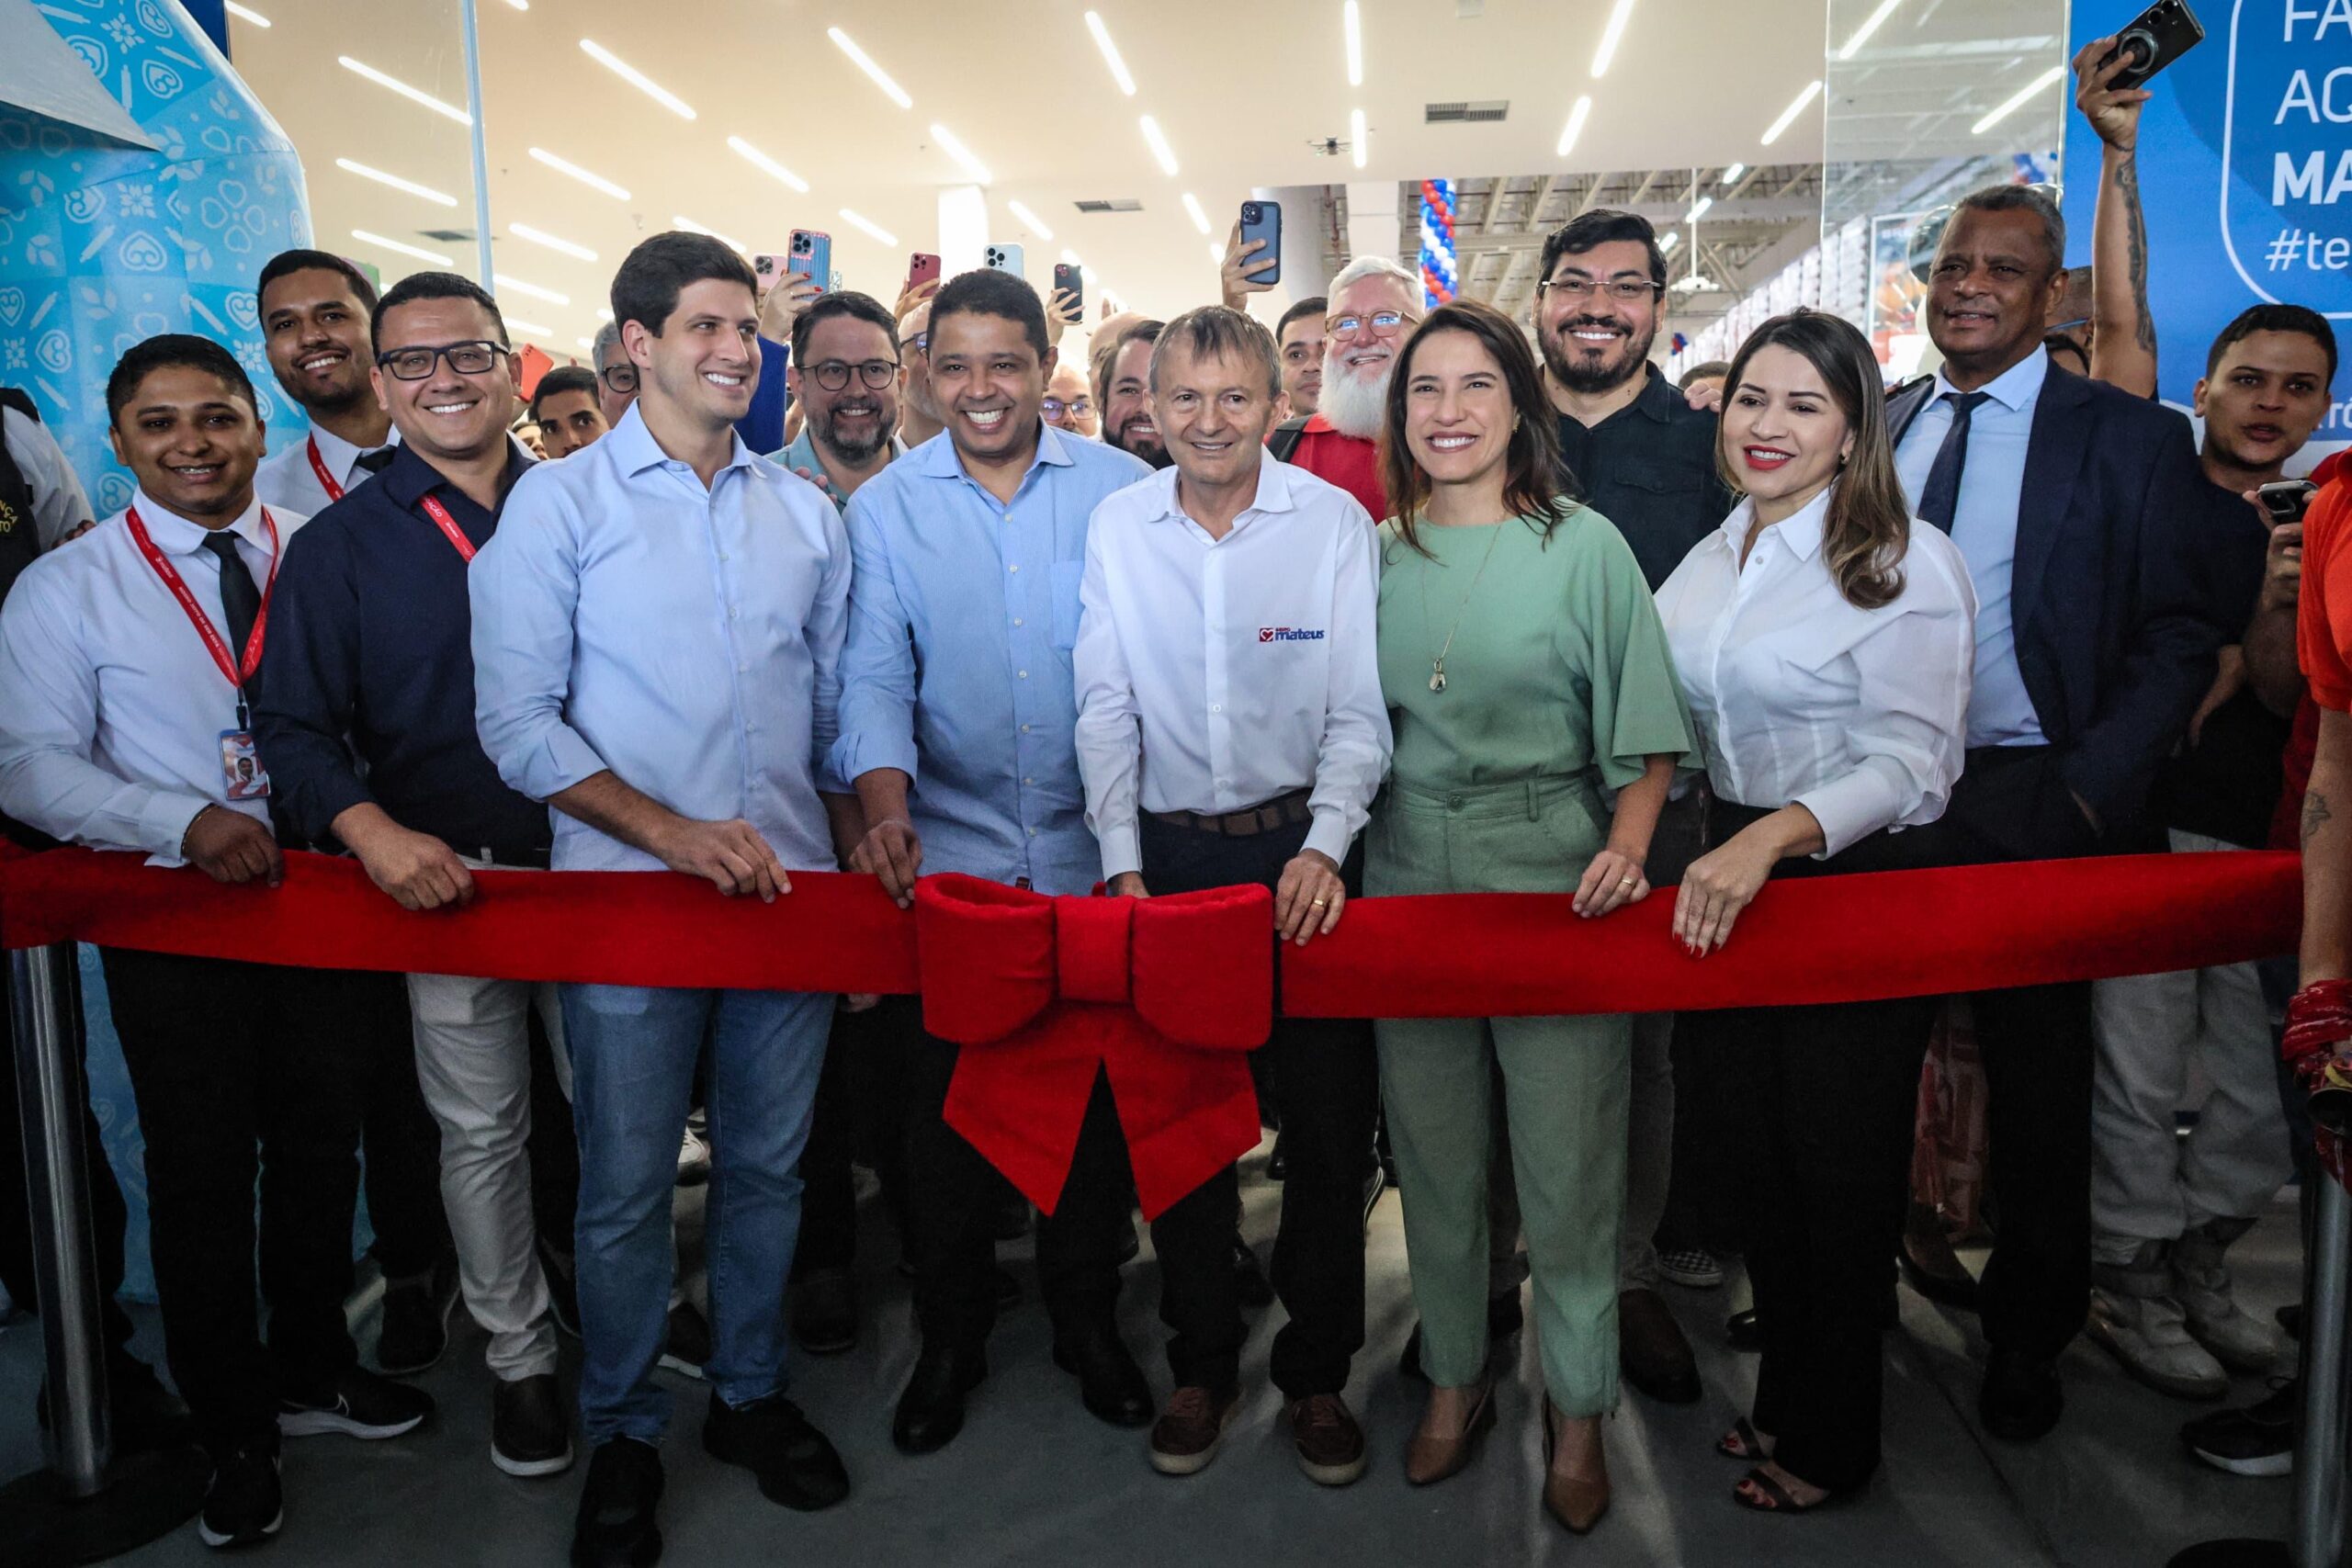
(123, 726)
(316, 310)
(1227, 635)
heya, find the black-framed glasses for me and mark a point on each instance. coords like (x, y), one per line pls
(919, 342)
(466, 358)
(1076, 408)
(833, 374)
(1378, 322)
(621, 378)
(1628, 290)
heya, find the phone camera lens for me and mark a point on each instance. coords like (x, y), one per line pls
(2140, 45)
(1251, 213)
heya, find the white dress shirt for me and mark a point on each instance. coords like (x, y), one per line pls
(286, 479)
(111, 709)
(59, 504)
(689, 640)
(1801, 698)
(1984, 526)
(1217, 674)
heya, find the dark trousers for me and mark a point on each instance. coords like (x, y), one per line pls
(858, 1112)
(1325, 1084)
(402, 1141)
(955, 1197)
(245, 1071)
(2012, 805)
(554, 1146)
(108, 1216)
(1822, 1101)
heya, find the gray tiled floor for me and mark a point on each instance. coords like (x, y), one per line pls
(1035, 1480)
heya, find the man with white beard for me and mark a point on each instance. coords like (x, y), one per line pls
(1375, 305)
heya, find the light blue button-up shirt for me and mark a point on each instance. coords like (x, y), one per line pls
(689, 640)
(1984, 526)
(963, 614)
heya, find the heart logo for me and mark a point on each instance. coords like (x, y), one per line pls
(12, 306)
(244, 309)
(141, 252)
(161, 79)
(85, 204)
(55, 351)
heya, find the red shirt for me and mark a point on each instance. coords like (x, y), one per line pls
(2323, 638)
(1349, 461)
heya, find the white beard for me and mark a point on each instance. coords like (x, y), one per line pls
(1355, 407)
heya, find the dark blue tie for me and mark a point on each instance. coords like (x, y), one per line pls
(1940, 499)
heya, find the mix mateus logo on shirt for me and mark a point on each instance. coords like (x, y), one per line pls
(1289, 634)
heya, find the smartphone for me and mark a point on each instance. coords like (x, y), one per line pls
(1264, 220)
(1008, 258)
(769, 267)
(922, 268)
(1070, 278)
(2286, 500)
(2154, 39)
(812, 257)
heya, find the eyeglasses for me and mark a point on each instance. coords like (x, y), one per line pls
(1626, 288)
(1382, 322)
(621, 378)
(833, 374)
(1076, 408)
(919, 342)
(464, 358)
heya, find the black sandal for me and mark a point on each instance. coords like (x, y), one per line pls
(1741, 1442)
(1776, 1497)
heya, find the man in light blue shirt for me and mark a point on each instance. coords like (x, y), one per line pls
(959, 720)
(657, 631)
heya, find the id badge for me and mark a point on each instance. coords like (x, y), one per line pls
(241, 770)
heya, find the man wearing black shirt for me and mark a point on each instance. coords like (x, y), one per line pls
(1644, 459)
(370, 655)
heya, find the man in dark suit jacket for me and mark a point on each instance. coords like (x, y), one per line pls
(2076, 506)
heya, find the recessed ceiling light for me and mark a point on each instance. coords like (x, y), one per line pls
(1578, 115)
(1160, 148)
(1193, 210)
(368, 236)
(1110, 54)
(381, 178)
(1357, 136)
(1871, 25)
(541, 237)
(565, 166)
(1029, 219)
(1699, 208)
(1611, 36)
(414, 95)
(533, 290)
(867, 226)
(865, 62)
(1730, 176)
(533, 329)
(245, 12)
(1352, 24)
(635, 78)
(1667, 242)
(2023, 95)
(683, 221)
(759, 160)
(961, 153)
(1789, 114)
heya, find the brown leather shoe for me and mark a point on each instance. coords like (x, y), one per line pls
(1578, 1502)
(1428, 1460)
(1191, 1427)
(1651, 1351)
(1329, 1443)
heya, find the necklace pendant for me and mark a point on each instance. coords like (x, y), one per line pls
(1437, 676)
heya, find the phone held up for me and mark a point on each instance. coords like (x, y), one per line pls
(2286, 501)
(2154, 39)
(922, 268)
(812, 257)
(1264, 220)
(1070, 279)
(1006, 258)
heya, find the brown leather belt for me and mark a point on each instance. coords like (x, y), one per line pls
(1283, 810)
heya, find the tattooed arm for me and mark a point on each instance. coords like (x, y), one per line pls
(2123, 332)
(2327, 853)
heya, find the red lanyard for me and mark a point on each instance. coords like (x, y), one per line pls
(318, 466)
(448, 525)
(238, 674)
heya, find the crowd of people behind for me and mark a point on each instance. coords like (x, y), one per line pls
(1553, 625)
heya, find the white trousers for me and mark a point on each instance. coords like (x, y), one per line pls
(473, 1060)
(2148, 1183)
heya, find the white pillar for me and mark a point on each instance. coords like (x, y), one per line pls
(963, 228)
(1374, 219)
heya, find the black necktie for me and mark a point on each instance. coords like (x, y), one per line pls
(1940, 499)
(239, 598)
(376, 462)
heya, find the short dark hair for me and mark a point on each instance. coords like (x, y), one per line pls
(288, 262)
(990, 293)
(1698, 373)
(431, 285)
(1106, 358)
(166, 350)
(652, 277)
(1319, 307)
(563, 378)
(1603, 226)
(1212, 330)
(850, 303)
(2273, 319)
(2019, 199)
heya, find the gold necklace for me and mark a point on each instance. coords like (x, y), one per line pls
(1437, 660)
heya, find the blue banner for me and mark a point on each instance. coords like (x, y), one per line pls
(2245, 173)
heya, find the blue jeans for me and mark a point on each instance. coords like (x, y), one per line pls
(633, 1054)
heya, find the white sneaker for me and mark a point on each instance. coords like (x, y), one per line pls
(2149, 1335)
(694, 1159)
(2202, 1284)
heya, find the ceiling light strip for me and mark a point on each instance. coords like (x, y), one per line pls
(401, 247)
(1611, 36)
(1158, 144)
(368, 172)
(1578, 115)
(867, 226)
(635, 78)
(565, 166)
(414, 95)
(2023, 97)
(873, 72)
(1029, 220)
(1789, 114)
(766, 165)
(552, 242)
(1110, 54)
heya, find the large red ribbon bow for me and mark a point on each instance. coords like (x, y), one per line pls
(1164, 996)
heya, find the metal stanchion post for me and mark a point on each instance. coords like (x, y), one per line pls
(86, 1505)
(2317, 1537)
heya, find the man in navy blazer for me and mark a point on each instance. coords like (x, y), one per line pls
(2076, 506)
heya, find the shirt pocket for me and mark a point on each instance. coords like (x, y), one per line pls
(1061, 581)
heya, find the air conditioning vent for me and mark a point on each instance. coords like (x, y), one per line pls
(450, 236)
(1115, 204)
(1484, 112)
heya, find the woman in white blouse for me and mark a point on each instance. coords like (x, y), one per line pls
(1825, 642)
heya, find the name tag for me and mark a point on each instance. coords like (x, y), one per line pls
(241, 771)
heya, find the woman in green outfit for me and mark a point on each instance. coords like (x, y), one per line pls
(1528, 680)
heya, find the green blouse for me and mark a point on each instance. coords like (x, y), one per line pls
(1558, 662)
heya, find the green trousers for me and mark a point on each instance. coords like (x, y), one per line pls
(1567, 1085)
